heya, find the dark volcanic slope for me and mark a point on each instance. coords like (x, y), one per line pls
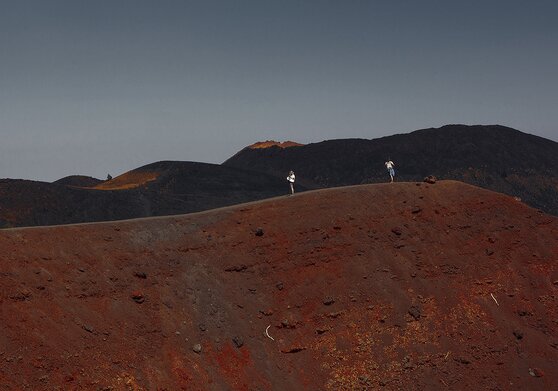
(398, 287)
(493, 157)
(79, 181)
(162, 188)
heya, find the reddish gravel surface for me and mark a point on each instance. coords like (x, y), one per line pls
(401, 286)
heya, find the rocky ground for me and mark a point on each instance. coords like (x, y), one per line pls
(404, 286)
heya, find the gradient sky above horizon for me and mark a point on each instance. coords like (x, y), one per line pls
(105, 86)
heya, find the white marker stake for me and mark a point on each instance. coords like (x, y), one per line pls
(267, 334)
(494, 299)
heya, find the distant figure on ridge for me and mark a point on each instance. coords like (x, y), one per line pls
(291, 180)
(389, 165)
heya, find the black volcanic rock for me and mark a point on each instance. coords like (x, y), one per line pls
(494, 157)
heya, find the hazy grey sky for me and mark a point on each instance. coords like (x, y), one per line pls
(98, 86)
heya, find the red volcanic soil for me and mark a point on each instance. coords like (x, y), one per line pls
(129, 180)
(405, 286)
(271, 143)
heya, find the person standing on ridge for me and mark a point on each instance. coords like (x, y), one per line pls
(389, 165)
(291, 180)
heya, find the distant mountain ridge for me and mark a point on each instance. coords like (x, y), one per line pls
(494, 157)
(161, 188)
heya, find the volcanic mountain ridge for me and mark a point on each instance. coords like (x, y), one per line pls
(494, 157)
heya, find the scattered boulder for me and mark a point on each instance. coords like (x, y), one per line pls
(279, 286)
(23, 295)
(518, 334)
(329, 301)
(238, 341)
(416, 210)
(88, 328)
(197, 348)
(414, 311)
(397, 231)
(267, 312)
(462, 360)
(259, 231)
(536, 372)
(138, 297)
(141, 275)
(430, 179)
(293, 349)
(236, 268)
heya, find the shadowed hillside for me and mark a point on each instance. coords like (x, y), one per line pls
(391, 286)
(494, 157)
(162, 188)
(78, 181)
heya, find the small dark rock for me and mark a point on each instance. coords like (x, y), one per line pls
(236, 268)
(407, 363)
(294, 349)
(320, 331)
(329, 301)
(238, 342)
(364, 380)
(416, 210)
(279, 286)
(202, 327)
(87, 328)
(536, 372)
(462, 360)
(397, 231)
(259, 232)
(524, 313)
(489, 251)
(140, 275)
(138, 297)
(518, 334)
(414, 311)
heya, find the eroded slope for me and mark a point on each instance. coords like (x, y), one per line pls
(403, 286)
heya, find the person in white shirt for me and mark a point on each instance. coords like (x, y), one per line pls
(291, 180)
(389, 165)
